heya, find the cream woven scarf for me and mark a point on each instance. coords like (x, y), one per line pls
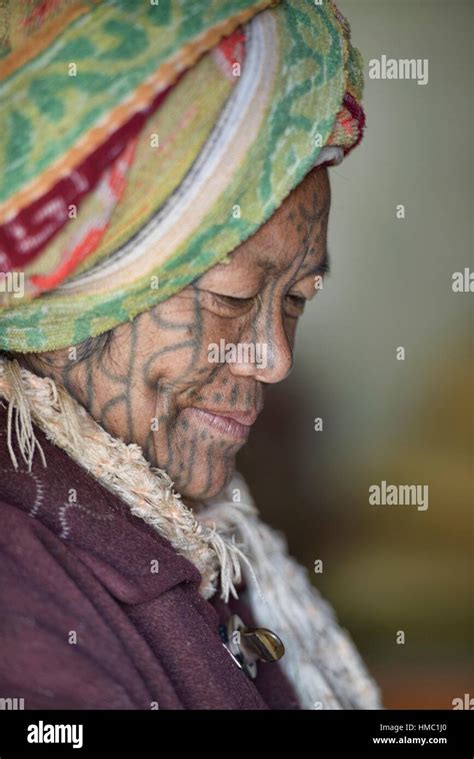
(223, 541)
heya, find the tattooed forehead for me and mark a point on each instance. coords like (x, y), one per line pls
(292, 241)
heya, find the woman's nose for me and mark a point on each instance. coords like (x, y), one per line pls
(265, 351)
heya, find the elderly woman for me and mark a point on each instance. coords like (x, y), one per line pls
(163, 222)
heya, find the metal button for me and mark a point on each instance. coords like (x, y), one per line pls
(247, 645)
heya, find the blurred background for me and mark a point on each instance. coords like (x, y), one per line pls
(389, 568)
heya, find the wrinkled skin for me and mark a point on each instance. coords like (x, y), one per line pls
(151, 383)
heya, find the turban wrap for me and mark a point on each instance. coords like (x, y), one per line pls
(142, 142)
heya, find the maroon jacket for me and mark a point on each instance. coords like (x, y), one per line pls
(82, 572)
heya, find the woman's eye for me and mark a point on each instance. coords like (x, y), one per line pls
(229, 300)
(296, 304)
(297, 299)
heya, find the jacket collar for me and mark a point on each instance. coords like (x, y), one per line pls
(128, 556)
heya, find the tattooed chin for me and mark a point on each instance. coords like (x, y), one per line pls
(198, 450)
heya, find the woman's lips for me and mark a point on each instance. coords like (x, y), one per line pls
(231, 423)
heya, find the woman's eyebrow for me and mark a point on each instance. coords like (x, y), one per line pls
(322, 267)
(271, 268)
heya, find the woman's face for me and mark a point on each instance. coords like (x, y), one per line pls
(186, 380)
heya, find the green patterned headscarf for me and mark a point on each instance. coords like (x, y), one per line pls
(141, 143)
